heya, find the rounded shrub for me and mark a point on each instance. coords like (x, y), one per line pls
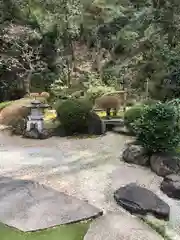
(131, 115)
(73, 115)
(157, 129)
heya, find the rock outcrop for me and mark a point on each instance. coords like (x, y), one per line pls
(135, 154)
(171, 186)
(164, 164)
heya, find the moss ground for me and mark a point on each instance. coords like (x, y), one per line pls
(65, 232)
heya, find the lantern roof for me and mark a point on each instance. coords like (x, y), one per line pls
(38, 104)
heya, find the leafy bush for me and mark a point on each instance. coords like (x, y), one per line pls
(176, 104)
(73, 115)
(131, 115)
(157, 129)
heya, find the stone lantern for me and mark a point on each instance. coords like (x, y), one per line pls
(35, 121)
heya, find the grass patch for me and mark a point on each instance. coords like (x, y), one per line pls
(4, 104)
(63, 232)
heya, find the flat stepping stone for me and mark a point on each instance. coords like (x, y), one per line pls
(115, 226)
(30, 206)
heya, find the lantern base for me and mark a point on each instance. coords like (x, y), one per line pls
(35, 134)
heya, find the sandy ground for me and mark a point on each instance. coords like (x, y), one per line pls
(90, 169)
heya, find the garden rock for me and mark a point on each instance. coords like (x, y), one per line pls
(114, 226)
(164, 164)
(135, 154)
(35, 134)
(94, 124)
(171, 186)
(30, 206)
(121, 130)
(139, 200)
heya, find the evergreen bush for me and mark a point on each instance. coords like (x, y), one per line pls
(131, 115)
(157, 129)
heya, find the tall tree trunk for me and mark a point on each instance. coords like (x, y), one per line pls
(27, 82)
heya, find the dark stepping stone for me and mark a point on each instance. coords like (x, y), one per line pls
(171, 186)
(139, 200)
(30, 206)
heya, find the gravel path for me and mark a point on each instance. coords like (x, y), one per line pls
(89, 169)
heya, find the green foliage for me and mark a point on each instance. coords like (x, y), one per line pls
(73, 115)
(131, 115)
(127, 43)
(157, 129)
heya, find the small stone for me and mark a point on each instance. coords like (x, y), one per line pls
(45, 134)
(164, 164)
(171, 186)
(135, 154)
(139, 200)
(33, 133)
(121, 130)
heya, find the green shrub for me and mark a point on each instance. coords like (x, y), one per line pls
(176, 104)
(131, 115)
(73, 115)
(157, 129)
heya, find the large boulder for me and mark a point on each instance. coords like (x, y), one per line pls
(171, 186)
(114, 226)
(135, 154)
(164, 164)
(139, 200)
